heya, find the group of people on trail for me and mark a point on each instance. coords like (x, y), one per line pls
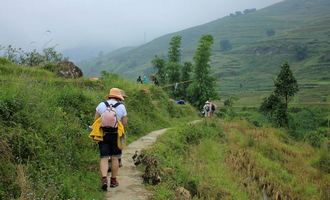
(145, 80)
(209, 109)
(109, 126)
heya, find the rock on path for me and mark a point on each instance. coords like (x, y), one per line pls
(131, 185)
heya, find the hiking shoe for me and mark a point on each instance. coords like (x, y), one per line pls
(114, 182)
(104, 183)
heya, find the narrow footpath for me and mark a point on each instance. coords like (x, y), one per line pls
(131, 185)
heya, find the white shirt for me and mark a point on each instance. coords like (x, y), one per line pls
(120, 110)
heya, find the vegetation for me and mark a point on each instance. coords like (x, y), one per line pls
(234, 160)
(225, 45)
(247, 70)
(31, 58)
(46, 152)
(203, 86)
(276, 105)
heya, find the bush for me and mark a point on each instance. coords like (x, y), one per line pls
(306, 120)
(9, 109)
(4, 61)
(324, 161)
(314, 138)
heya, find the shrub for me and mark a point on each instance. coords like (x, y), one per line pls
(323, 162)
(4, 61)
(315, 138)
(306, 120)
(9, 109)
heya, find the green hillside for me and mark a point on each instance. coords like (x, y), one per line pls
(44, 145)
(299, 33)
(235, 160)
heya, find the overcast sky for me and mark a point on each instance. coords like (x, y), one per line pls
(73, 23)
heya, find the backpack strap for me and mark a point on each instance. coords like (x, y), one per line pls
(114, 106)
(106, 104)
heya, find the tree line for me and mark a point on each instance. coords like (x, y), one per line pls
(31, 58)
(190, 81)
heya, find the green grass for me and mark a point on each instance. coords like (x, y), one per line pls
(235, 160)
(44, 130)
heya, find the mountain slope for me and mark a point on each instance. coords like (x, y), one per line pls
(44, 144)
(299, 33)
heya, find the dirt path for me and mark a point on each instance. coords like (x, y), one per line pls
(131, 185)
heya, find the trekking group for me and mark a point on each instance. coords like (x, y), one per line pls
(209, 109)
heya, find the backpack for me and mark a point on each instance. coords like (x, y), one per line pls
(207, 108)
(109, 117)
(213, 107)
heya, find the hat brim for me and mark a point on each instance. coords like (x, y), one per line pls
(116, 96)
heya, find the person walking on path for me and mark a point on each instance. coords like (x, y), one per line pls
(213, 108)
(139, 80)
(108, 147)
(207, 109)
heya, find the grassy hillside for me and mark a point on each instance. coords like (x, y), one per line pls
(301, 27)
(235, 160)
(44, 144)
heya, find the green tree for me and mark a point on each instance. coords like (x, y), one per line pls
(174, 51)
(160, 66)
(185, 79)
(276, 105)
(285, 84)
(274, 108)
(203, 85)
(51, 55)
(173, 65)
(32, 58)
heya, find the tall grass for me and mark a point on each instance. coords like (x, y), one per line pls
(236, 160)
(44, 130)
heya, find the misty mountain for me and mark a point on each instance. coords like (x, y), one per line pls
(81, 53)
(296, 31)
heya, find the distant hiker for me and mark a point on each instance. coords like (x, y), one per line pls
(213, 108)
(154, 79)
(207, 109)
(112, 113)
(139, 80)
(145, 79)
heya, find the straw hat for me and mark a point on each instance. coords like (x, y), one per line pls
(207, 102)
(116, 93)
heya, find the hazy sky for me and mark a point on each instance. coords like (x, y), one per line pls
(72, 23)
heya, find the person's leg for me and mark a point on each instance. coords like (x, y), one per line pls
(114, 171)
(104, 156)
(104, 166)
(115, 166)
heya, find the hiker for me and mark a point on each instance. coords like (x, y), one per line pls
(145, 79)
(108, 147)
(213, 108)
(139, 80)
(207, 109)
(119, 158)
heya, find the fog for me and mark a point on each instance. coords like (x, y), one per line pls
(75, 23)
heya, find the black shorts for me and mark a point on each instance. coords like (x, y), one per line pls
(108, 147)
